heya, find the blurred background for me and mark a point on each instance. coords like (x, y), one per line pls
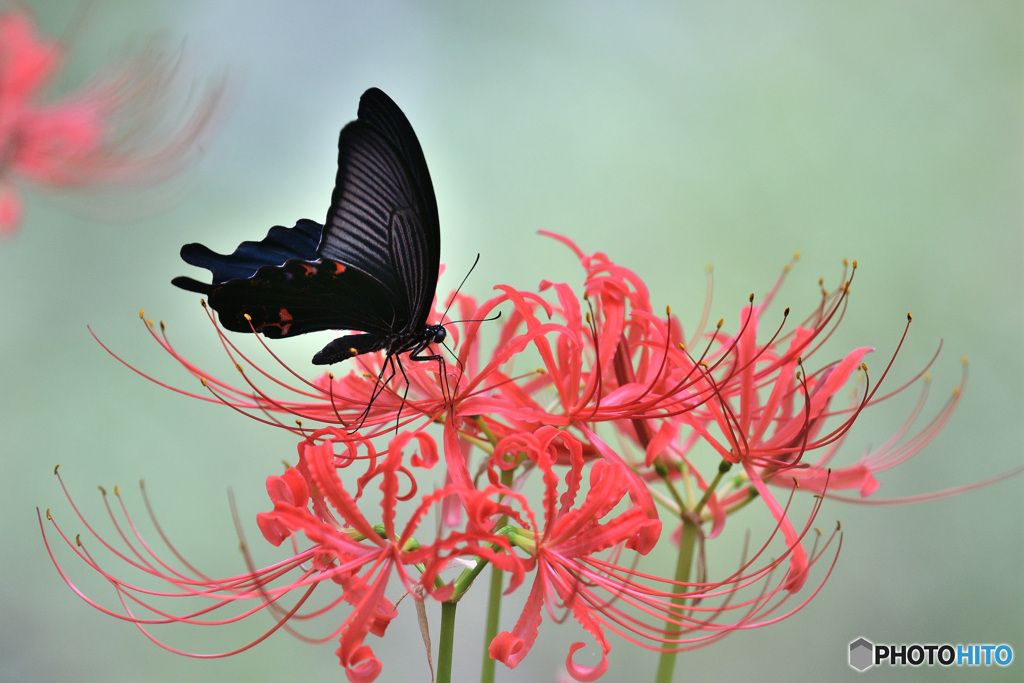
(669, 136)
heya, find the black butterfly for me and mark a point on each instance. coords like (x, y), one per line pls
(372, 267)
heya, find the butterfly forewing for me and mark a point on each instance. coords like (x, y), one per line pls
(408, 245)
(371, 187)
(383, 216)
(380, 112)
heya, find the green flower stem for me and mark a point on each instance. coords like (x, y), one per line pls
(687, 544)
(684, 562)
(491, 628)
(494, 601)
(663, 471)
(723, 469)
(446, 645)
(462, 583)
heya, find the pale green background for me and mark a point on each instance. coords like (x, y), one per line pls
(669, 136)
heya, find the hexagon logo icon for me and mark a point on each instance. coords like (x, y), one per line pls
(862, 653)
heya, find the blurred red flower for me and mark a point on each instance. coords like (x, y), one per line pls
(120, 128)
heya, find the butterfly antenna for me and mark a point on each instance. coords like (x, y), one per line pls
(476, 320)
(459, 288)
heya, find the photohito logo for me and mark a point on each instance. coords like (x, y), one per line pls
(864, 654)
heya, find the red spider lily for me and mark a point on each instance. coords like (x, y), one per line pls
(349, 551)
(569, 573)
(560, 547)
(345, 549)
(142, 606)
(511, 401)
(576, 385)
(632, 418)
(108, 132)
(757, 405)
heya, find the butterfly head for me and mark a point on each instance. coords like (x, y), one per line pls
(435, 333)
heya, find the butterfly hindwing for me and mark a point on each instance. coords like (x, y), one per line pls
(280, 245)
(304, 296)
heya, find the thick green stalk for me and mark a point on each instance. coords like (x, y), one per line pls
(687, 544)
(491, 629)
(447, 643)
(494, 600)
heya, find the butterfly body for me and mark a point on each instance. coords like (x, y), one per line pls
(371, 267)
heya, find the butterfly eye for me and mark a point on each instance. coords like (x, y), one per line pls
(440, 334)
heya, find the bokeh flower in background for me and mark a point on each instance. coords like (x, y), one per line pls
(131, 125)
(560, 455)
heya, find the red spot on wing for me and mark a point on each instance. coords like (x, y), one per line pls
(339, 268)
(286, 321)
(309, 268)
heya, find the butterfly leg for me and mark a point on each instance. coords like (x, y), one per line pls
(405, 394)
(378, 388)
(442, 368)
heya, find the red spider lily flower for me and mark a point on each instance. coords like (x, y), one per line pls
(752, 401)
(757, 405)
(582, 522)
(624, 425)
(108, 132)
(362, 555)
(576, 384)
(225, 598)
(560, 547)
(768, 436)
(345, 550)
